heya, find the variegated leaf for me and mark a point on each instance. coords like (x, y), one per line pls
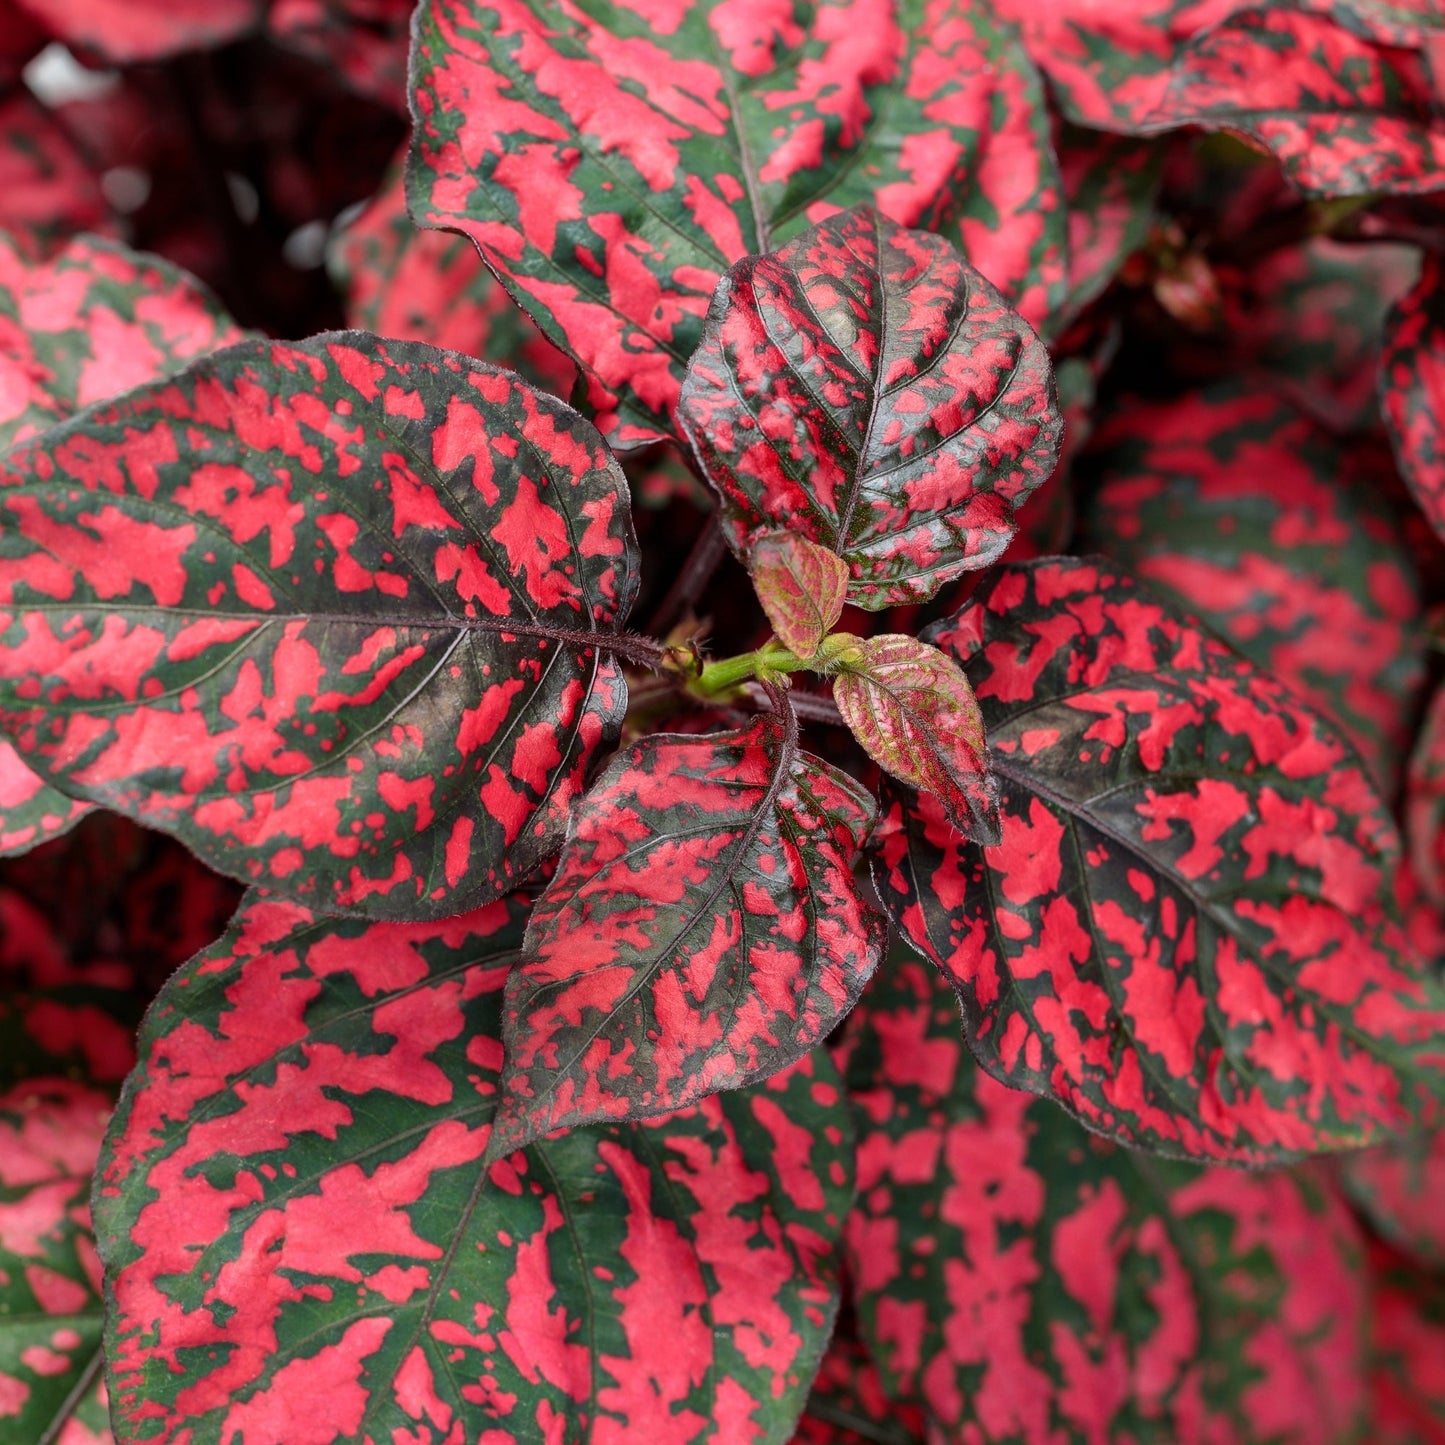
(47, 190)
(1184, 934)
(703, 929)
(612, 161)
(338, 614)
(50, 1301)
(1283, 538)
(911, 708)
(303, 1244)
(865, 387)
(1027, 1282)
(1412, 389)
(126, 31)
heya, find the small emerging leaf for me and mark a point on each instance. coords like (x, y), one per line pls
(913, 711)
(702, 930)
(866, 388)
(801, 586)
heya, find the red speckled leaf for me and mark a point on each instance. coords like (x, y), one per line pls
(126, 31)
(1281, 537)
(303, 1244)
(93, 321)
(58, 1016)
(1182, 935)
(848, 1405)
(50, 1304)
(913, 711)
(338, 614)
(1425, 804)
(1407, 1363)
(31, 811)
(1399, 1188)
(364, 40)
(866, 388)
(1343, 114)
(47, 191)
(431, 286)
(801, 586)
(1028, 1282)
(613, 161)
(702, 930)
(1412, 389)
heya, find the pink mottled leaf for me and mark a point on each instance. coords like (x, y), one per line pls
(613, 163)
(303, 1243)
(1183, 936)
(1407, 1352)
(47, 190)
(1412, 389)
(1026, 1281)
(866, 388)
(801, 586)
(1279, 535)
(431, 286)
(1425, 804)
(50, 1299)
(338, 614)
(126, 31)
(911, 708)
(702, 930)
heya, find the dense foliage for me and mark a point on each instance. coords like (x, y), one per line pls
(877, 874)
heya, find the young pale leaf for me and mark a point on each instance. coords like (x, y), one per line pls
(1412, 389)
(913, 711)
(1181, 936)
(302, 1242)
(95, 320)
(702, 930)
(866, 388)
(50, 1304)
(1026, 1281)
(612, 162)
(801, 586)
(1277, 534)
(337, 614)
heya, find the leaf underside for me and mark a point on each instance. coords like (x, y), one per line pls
(337, 614)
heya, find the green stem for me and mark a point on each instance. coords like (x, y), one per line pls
(770, 660)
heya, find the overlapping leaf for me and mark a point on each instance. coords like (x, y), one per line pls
(1407, 1365)
(1279, 536)
(1344, 114)
(1412, 389)
(1398, 1187)
(1027, 1282)
(337, 614)
(915, 715)
(50, 1305)
(613, 162)
(95, 320)
(702, 930)
(126, 31)
(431, 286)
(47, 191)
(364, 40)
(302, 1243)
(1182, 935)
(1425, 804)
(865, 387)
(31, 811)
(848, 1405)
(801, 586)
